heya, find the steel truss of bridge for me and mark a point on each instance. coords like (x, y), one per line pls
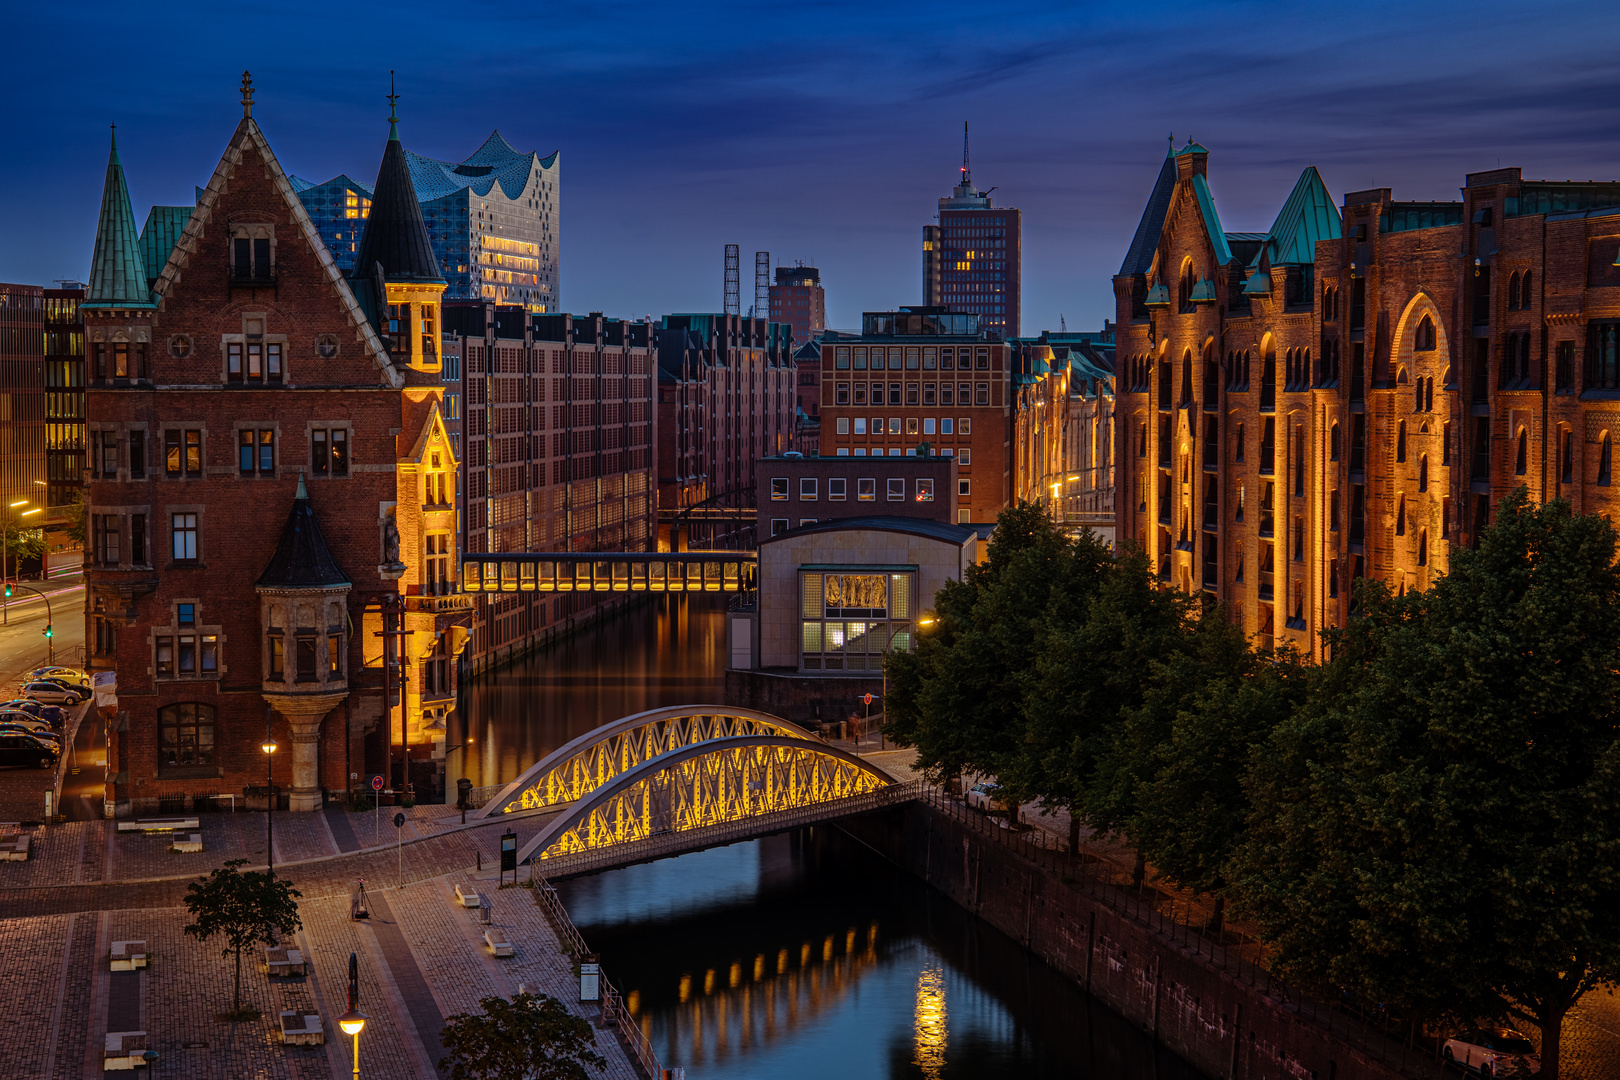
(608, 571)
(679, 779)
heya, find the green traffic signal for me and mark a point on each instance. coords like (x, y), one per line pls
(47, 629)
(8, 590)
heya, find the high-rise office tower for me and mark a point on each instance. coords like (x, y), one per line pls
(492, 219)
(971, 259)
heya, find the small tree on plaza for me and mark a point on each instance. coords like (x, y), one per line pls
(530, 1037)
(245, 909)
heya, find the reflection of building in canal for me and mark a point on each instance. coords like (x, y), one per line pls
(727, 1009)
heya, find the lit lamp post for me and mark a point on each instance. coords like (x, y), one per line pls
(269, 747)
(354, 1021)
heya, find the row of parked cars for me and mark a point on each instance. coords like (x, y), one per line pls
(31, 724)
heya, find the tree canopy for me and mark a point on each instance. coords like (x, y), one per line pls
(245, 909)
(530, 1037)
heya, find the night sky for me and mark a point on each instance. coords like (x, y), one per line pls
(822, 132)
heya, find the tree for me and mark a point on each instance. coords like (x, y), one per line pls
(21, 542)
(959, 695)
(1435, 829)
(245, 909)
(530, 1037)
(73, 512)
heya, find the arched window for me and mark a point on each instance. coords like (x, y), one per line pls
(1513, 291)
(1400, 441)
(1428, 394)
(1604, 448)
(1305, 370)
(1423, 472)
(185, 735)
(1333, 443)
(1423, 340)
(1401, 376)
(1400, 515)
(1417, 393)
(1423, 547)
(1268, 380)
(1164, 382)
(1524, 291)
(1212, 378)
(1522, 457)
(1186, 378)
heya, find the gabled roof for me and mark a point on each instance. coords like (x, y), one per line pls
(1139, 257)
(496, 162)
(1307, 216)
(1212, 220)
(396, 234)
(162, 230)
(248, 134)
(117, 274)
(302, 559)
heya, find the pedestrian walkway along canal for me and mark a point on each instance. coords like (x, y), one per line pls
(799, 955)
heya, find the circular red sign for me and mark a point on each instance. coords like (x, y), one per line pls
(868, 699)
(376, 783)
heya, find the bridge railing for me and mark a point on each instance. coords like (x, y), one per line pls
(729, 832)
(608, 571)
(614, 1012)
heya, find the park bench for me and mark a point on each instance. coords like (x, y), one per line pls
(14, 848)
(497, 942)
(282, 961)
(468, 897)
(124, 1050)
(155, 825)
(127, 955)
(300, 1027)
(187, 843)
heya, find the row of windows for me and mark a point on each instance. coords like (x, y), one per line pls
(912, 358)
(106, 538)
(914, 425)
(304, 666)
(183, 452)
(865, 489)
(908, 394)
(848, 621)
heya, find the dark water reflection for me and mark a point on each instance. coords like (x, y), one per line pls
(664, 651)
(806, 956)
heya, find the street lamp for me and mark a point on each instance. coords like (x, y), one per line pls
(354, 1021)
(269, 747)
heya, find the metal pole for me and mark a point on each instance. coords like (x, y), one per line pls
(357, 1056)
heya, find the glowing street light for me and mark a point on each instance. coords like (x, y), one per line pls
(269, 747)
(354, 1021)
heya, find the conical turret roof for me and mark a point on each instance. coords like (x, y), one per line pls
(302, 559)
(117, 275)
(396, 234)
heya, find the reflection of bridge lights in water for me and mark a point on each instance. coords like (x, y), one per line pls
(929, 1017)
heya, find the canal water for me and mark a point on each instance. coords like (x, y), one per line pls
(796, 956)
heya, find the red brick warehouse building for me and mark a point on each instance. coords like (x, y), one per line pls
(271, 485)
(1350, 393)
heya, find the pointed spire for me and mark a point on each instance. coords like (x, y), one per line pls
(117, 276)
(393, 116)
(247, 95)
(302, 560)
(396, 234)
(302, 492)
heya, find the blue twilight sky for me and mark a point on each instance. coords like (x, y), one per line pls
(820, 131)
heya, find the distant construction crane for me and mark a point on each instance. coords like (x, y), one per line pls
(762, 284)
(733, 280)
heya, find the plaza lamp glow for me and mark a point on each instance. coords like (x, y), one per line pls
(269, 747)
(353, 1021)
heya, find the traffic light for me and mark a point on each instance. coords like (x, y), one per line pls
(47, 629)
(8, 590)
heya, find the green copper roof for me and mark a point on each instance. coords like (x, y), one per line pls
(164, 224)
(1191, 148)
(1259, 284)
(1309, 215)
(1212, 220)
(117, 274)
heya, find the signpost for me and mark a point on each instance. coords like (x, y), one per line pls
(509, 855)
(376, 807)
(399, 849)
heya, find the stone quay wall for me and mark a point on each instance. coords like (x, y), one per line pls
(1205, 1002)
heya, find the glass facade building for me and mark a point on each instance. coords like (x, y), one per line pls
(64, 396)
(492, 219)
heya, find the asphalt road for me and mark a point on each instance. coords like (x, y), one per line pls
(22, 643)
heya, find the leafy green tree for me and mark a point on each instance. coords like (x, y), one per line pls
(959, 695)
(73, 511)
(21, 542)
(530, 1037)
(244, 909)
(1435, 829)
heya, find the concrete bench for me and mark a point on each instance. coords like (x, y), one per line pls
(282, 961)
(127, 955)
(468, 897)
(187, 843)
(153, 825)
(300, 1027)
(124, 1050)
(15, 848)
(497, 942)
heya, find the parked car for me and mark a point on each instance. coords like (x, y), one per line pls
(28, 705)
(49, 737)
(52, 693)
(72, 675)
(82, 689)
(984, 795)
(1492, 1052)
(26, 751)
(23, 719)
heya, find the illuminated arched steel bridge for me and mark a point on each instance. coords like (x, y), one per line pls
(577, 768)
(710, 793)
